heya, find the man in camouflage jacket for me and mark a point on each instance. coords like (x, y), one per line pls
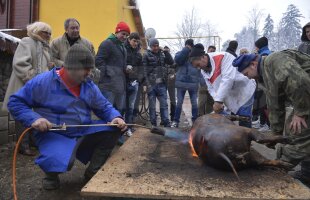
(286, 77)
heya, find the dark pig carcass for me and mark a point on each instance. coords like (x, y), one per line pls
(223, 145)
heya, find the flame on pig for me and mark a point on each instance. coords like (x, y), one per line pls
(190, 141)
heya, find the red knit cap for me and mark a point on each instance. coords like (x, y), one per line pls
(122, 26)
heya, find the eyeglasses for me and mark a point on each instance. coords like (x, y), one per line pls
(46, 32)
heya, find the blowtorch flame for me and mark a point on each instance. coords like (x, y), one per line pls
(190, 141)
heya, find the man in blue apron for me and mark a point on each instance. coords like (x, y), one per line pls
(66, 95)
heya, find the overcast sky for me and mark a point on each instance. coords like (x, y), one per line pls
(229, 16)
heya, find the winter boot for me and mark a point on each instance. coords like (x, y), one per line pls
(304, 174)
(99, 157)
(51, 181)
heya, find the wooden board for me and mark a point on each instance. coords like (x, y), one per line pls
(156, 167)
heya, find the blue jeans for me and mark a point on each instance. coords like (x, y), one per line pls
(158, 91)
(180, 97)
(246, 110)
(116, 99)
(131, 95)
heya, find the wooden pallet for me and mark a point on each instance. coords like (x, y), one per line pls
(156, 167)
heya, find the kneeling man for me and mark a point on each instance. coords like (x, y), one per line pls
(66, 95)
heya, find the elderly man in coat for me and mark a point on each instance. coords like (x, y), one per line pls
(226, 85)
(61, 45)
(66, 95)
(285, 76)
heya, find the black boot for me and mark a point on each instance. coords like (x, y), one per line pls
(51, 181)
(304, 174)
(105, 142)
(99, 157)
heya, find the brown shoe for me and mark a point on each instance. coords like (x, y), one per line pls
(27, 152)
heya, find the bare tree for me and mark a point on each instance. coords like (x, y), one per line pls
(209, 29)
(191, 26)
(255, 16)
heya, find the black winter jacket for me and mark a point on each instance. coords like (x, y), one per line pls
(156, 66)
(111, 61)
(134, 58)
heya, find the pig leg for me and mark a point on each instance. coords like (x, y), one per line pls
(256, 159)
(270, 140)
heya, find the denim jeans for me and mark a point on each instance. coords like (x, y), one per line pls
(116, 99)
(158, 91)
(137, 103)
(171, 92)
(131, 94)
(180, 97)
(246, 110)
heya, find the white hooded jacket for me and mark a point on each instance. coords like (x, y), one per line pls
(226, 84)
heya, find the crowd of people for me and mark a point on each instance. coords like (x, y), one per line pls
(64, 81)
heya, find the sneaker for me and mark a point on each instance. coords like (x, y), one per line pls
(257, 126)
(257, 122)
(174, 124)
(51, 181)
(264, 128)
(167, 124)
(128, 133)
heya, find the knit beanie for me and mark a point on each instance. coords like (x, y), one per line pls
(79, 57)
(243, 61)
(122, 26)
(261, 42)
(153, 41)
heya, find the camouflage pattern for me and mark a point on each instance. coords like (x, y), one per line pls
(305, 47)
(286, 76)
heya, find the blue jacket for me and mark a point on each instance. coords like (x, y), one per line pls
(187, 76)
(264, 51)
(46, 96)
